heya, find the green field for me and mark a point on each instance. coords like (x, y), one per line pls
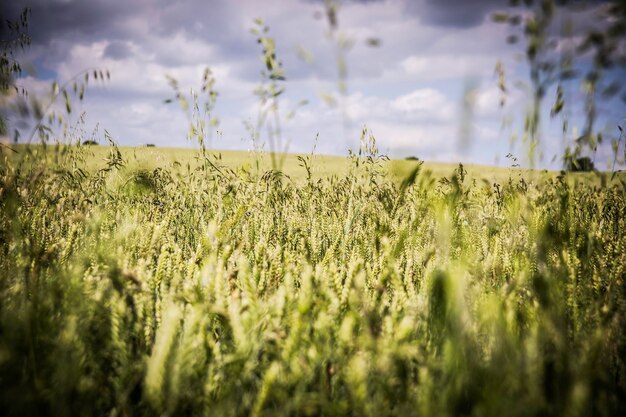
(323, 166)
(149, 281)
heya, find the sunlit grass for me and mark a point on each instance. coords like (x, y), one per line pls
(324, 166)
(138, 286)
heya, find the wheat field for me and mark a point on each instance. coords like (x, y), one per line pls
(218, 288)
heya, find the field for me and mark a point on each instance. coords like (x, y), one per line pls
(168, 282)
(322, 166)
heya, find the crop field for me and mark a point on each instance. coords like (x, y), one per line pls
(180, 160)
(215, 289)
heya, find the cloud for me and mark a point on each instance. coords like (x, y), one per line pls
(408, 90)
(453, 13)
(429, 101)
(447, 66)
(450, 13)
(117, 50)
(422, 105)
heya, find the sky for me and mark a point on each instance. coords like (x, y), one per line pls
(409, 90)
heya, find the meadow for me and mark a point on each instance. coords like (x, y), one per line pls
(200, 284)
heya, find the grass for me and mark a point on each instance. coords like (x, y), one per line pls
(133, 285)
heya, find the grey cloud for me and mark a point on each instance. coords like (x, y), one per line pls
(470, 13)
(79, 20)
(117, 50)
(76, 21)
(453, 13)
(58, 25)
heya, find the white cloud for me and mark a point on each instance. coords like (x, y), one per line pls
(425, 104)
(422, 105)
(428, 68)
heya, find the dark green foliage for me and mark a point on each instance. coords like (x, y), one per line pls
(583, 164)
(14, 37)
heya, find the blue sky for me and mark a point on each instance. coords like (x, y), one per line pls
(408, 91)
